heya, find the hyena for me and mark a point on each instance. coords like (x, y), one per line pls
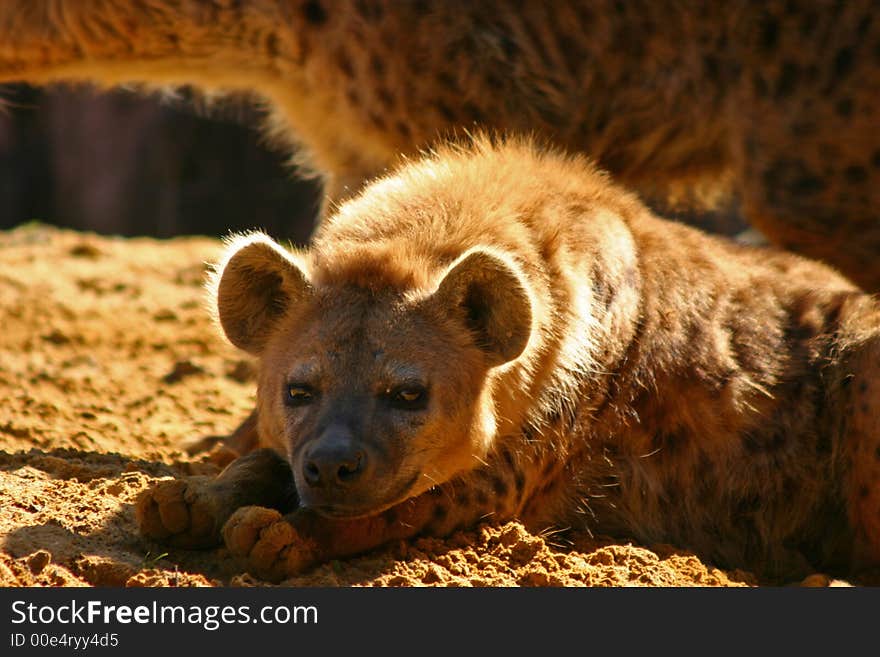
(780, 99)
(497, 331)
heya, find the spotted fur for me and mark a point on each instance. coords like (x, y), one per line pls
(777, 100)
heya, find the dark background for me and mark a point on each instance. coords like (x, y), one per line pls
(127, 164)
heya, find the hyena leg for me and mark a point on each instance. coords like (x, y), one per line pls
(190, 512)
(805, 146)
(161, 41)
(274, 546)
(859, 406)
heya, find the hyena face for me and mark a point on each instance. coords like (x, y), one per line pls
(368, 411)
(375, 395)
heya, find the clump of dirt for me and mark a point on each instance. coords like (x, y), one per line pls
(110, 366)
(508, 555)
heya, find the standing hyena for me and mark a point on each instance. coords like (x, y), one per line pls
(499, 332)
(781, 98)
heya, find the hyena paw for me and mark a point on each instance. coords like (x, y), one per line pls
(271, 547)
(180, 512)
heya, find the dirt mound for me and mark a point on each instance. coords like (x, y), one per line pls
(110, 366)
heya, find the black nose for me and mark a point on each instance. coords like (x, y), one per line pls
(334, 460)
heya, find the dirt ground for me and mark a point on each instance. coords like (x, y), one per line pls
(110, 366)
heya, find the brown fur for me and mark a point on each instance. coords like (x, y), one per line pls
(779, 98)
(582, 363)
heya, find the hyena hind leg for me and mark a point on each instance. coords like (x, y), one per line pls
(859, 406)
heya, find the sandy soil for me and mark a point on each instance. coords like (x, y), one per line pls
(110, 366)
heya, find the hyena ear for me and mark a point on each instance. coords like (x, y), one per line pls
(253, 288)
(488, 292)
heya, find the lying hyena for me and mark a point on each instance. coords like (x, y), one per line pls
(500, 332)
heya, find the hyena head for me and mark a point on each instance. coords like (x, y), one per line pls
(377, 392)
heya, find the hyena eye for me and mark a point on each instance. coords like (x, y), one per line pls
(408, 398)
(298, 394)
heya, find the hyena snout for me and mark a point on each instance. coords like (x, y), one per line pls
(336, 460)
